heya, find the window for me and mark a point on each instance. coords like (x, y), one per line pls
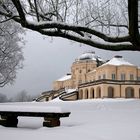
(80, 71)
(113, 76)
(122, 76)
(138, 78)
(89, 70)
(131, 77)
(99, 77)
(104, 77)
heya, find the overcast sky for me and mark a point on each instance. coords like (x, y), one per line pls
(48, 59)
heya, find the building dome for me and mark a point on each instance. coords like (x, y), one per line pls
(89, 56)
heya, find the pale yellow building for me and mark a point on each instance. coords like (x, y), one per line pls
(91, 77)
(83, 65)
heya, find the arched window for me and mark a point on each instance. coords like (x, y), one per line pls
(92, 93)
(139, 92)
(86, 93)
(110, 92)
(98, 92)
(80, 94)
(129, 92)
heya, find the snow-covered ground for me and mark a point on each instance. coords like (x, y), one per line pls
(100, 119)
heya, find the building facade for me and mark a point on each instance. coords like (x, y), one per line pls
(93, 77)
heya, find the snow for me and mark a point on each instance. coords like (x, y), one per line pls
(70, 90)
(66, 77)
(89, 55)
(117, 62)
(31, 107)
(94, 119)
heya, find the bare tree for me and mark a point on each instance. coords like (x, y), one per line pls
(3, 98)
(105, 24)
(11, 56)
(23, 96)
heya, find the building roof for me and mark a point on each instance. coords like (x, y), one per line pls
(65, 77)
(118, 61)
(89, 56)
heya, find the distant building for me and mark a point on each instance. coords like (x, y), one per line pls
(92, 77)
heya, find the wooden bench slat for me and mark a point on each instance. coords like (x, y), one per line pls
(35, 114)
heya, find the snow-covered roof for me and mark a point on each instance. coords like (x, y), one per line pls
(66, 77)
(89, 56)
(118, 61)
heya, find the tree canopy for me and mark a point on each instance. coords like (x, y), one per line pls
(104, 24)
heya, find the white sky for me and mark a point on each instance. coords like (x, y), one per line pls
(47, 60)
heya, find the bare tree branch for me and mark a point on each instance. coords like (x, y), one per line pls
(117, 47)
(48, 25)
(109, 24)
(20, 11)
(36, 10)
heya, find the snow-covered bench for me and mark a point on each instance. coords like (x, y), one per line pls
(9, 113)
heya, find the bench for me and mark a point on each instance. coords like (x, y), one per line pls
(10, 112)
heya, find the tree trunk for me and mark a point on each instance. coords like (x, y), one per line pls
(133, 23)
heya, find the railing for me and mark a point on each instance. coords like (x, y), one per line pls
(110, 81)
